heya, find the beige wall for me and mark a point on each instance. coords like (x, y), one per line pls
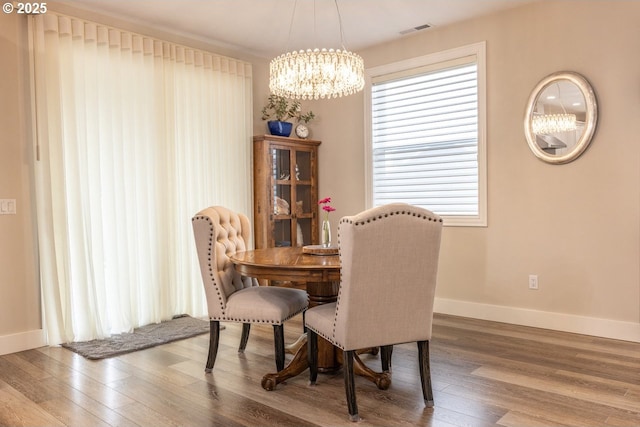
(577, 226)
(19, 290)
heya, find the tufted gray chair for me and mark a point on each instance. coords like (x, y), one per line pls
(219, 233)
(389, 262)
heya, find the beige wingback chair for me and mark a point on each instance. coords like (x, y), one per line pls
(219, 233)
(389, 262)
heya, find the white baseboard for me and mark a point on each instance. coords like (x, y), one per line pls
(605, 328)
(22, 341)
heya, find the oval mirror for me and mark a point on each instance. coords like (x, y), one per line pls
(560, 118)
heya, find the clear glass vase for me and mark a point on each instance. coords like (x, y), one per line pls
(325, 237)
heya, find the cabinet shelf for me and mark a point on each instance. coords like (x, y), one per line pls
(280, 217)
(289, 182)
(285, 209)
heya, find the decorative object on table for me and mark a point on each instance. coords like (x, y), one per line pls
(325, 232)
(320, 250)
(282, 110)
(316, 73)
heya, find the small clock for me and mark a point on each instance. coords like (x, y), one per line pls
(302, 131)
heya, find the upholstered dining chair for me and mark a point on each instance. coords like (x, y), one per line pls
(219, 233)
(389, 262)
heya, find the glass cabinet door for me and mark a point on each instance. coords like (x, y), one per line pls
(282, 195)
(305, 203)
(293, 198)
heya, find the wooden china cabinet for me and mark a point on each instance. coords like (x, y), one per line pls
(285, 191)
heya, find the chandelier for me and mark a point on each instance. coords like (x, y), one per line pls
(316, 73)
(552, 123)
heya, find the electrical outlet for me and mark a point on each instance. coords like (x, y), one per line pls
(533, 281)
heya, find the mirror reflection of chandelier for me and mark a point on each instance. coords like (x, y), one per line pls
(316, 73)
(545, 124)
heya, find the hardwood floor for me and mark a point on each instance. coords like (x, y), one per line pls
(484, 374)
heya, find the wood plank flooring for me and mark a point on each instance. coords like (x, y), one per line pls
(484, 374)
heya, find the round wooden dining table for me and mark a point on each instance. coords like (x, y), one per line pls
(320, 273)
(320, 276)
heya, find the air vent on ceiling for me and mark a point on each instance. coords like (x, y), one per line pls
(414, 29)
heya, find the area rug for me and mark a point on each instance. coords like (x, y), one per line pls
(178, 328)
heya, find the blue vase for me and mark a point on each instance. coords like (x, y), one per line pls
(280, 128)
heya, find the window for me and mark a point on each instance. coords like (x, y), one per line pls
(426, 144)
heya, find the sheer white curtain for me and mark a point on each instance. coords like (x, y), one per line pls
(134, 135)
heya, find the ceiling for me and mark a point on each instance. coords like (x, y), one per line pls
(265, 28)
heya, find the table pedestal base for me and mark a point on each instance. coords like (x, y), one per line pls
(300, 363)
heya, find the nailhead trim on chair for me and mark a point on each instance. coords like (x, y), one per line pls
(364, 222)
(328, 338)
(227, 319)
(217, 288)
(210, 264)
(402, 212)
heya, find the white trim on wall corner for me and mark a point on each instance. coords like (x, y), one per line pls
(604, 328)
(22, 341)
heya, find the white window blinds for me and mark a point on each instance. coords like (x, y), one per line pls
(425, 138)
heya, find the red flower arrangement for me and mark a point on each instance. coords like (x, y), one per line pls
(326, 206)
(326, 228)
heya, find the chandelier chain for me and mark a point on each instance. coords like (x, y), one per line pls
(340, 24)
(293, 15)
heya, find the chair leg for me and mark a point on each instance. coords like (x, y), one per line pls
(425, 372)
(304, 323)
(278, 339)
(312, 355)
(385, 357)
(214, 338)
(350, 385)
(246, 328)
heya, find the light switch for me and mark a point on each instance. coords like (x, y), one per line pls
(7, 206)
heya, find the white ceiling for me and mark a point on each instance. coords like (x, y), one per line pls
(265, 28)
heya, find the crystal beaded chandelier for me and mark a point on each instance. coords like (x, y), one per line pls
(552, 123)
(316, 73)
